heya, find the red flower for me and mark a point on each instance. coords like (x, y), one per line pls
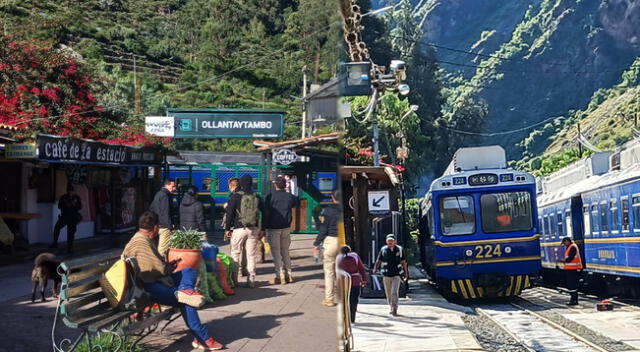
(51, 94)
(35, 91)
(42, 111)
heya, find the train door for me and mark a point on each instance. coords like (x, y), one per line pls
(577, 224)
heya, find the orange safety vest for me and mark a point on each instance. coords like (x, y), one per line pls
(576, 263)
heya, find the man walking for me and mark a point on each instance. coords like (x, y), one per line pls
(572, 266)
(161, 205)
(69, 205)
(393, 266)
(277, 222)
(328, 238)
(243, 215)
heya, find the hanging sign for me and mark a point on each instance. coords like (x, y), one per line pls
(85, 151)
(161, 126)
(284, 156)
(20, 151)
(227, 123)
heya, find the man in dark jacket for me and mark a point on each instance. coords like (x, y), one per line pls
(192, 211)
(161, 205)
(277, 222)
(328, 237)
(243, 215)
(69, 205)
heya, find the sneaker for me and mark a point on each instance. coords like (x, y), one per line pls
(251, 283)
(209, 345)
(328, 303)
(288, 279)
(276, 281)
(190, 298)
(572, 303)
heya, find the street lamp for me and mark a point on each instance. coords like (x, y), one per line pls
(403, 156)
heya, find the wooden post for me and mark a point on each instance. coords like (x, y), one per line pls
(361, 215)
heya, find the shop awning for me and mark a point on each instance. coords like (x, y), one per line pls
(296, 144)
(384, 174)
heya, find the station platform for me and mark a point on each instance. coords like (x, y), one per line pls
(425, 322)
(618, 325)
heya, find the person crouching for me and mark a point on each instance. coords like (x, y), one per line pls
(177, 289)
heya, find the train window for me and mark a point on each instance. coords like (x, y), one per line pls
(636, 212)
(567, 223)
(603, 218)
(505, 212)
(547, 233)
(552, 226)
(457, 215)
(541, 225)
(587, 221)
(206, 184)
(560, 233)
(613, 209)
(625, 214)
(595, 221)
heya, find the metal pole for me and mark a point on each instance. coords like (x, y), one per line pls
(304, 102)
(376, 132)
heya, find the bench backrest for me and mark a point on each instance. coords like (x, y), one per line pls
(82, 300)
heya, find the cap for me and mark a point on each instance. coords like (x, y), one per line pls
(391, 237)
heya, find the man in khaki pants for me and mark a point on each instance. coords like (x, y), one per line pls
(328, 238)
(243, 215)
(161, 205)
(393, 266)
(277, 222)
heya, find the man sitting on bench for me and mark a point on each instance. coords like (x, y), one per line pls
(177, 289)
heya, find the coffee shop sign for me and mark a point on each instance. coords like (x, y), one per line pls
(285, 156)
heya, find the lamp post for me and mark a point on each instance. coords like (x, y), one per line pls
(403, 154)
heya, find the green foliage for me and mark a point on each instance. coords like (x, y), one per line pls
(185, 239)
(109, 343)
(549, 164)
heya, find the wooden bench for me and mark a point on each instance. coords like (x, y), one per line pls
(82, 305)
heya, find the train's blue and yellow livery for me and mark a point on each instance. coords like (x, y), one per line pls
(596, 201)
(479, 234)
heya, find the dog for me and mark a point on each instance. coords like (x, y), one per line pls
(45, 269)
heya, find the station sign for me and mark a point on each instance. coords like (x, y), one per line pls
(227, 123)
(161, 126)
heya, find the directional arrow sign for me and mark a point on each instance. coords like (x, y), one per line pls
(379, 201)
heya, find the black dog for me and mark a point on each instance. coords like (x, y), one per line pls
(46, 268)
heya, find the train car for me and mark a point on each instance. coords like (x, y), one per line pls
(605, 220)
(479, 227)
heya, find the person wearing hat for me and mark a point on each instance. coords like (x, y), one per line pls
(69, 205)
(393, 267)
(328, 238)
(572, 266)
(277, 222)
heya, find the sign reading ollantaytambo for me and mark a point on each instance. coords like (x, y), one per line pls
(227, 123)
(84, 151)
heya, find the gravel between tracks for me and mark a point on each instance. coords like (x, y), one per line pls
(594, 337)
(491, 336)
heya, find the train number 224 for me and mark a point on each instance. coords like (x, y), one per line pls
(488, 251)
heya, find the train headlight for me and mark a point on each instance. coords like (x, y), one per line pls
(468, 252)
(507, 250)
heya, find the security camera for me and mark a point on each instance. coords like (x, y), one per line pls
(403, 89)
(397, 65)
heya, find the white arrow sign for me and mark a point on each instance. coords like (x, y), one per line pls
(379, 201)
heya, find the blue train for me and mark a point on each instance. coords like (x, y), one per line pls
(479, 235)
(596, 201)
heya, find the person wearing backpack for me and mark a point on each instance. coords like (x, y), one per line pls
(243, 215)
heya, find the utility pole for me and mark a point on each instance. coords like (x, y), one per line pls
(579, 141)
(305, 69)
(376, 130)
(136, 89)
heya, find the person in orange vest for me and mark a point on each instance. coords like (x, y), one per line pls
(572, 267)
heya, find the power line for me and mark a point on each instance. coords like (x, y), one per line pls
(492, 134)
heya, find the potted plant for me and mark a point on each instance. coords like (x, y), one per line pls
(184, 245)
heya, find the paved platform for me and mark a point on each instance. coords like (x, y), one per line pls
(267, 318)
(426, 322)
(618, 325)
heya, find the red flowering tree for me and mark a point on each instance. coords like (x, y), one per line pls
(45, 91)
